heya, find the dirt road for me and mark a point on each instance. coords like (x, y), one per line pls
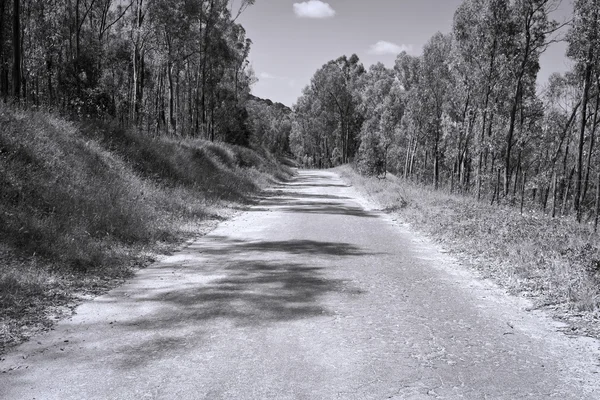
(308, 295)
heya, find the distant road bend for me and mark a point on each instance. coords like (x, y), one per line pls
(309, 295)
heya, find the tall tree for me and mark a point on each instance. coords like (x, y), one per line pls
(17, 45)
(583, 38)
(531, 25)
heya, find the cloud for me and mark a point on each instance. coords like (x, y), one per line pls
(313, 9)
(266, 75)
(384, 48)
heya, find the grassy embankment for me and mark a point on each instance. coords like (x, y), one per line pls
(555, 262)
(83, 206)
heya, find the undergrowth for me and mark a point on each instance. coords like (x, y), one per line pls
(82, 205)
(554, 261)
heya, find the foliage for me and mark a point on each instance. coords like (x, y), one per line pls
(467, 114)
(271, 124)
(166, 66)
(326, 117)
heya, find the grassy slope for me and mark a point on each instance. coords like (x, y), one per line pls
(82, 205)
(556, 262)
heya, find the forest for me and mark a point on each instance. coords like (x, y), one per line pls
(165, 67)
(468, 115)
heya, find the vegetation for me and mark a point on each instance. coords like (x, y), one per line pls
(159, 132)
(82, 204)
(127, 125)
(467, 115)
(504, 170)
(165, 66)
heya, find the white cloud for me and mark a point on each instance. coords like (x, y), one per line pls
(382, 48)
(266, 75)
(313, 9)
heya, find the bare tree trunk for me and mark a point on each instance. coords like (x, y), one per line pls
(597, 204)
(197, 104)
(485, 116)
(406, 160)
(3, 57)
(517, 175)
(579, 165)
(172, 122)
(412, 158)
(436, 166)
(177, 105)
(17, 50)
(590, 150)
(566, 192)
(496, 194)
(523, 190)
(554, 190)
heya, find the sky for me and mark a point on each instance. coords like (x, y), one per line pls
(293, 38)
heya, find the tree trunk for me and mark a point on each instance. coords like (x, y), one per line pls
(172, 122)
(177, 105)
(523, 190)
(597, 204)
(3, 57)
(406, 160)
(514, 107)
(436, 166)
(17, 50)
(554, 193)
(412, 158)
(584, 103)
(566, 192)
(590, 151)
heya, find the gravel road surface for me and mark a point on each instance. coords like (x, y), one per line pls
(312, 294)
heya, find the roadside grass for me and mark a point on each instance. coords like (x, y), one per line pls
(554, 262)
(83, 205)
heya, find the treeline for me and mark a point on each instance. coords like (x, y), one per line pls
(176, 67)
(467, 114)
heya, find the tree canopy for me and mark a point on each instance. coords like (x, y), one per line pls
(468, 114)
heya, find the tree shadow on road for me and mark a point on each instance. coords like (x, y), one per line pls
(220, 245)
(301, 195)
(307, 206)
(239, 283)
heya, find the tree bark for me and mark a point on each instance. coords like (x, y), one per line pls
(597, 204)
(590, 151)
(554, 190)
(3, 57)
(579, 165)
(17, 50)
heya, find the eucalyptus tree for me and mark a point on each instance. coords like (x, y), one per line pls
(334, 84)
(407, 70)
(435, 85)
(373, 90)
(532, 29)
(17, 48)
(584, 42)
(164, 66)
(331, 101)
(481, 32)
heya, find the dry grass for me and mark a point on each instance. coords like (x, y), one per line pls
(81, 206)
(556, 262)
